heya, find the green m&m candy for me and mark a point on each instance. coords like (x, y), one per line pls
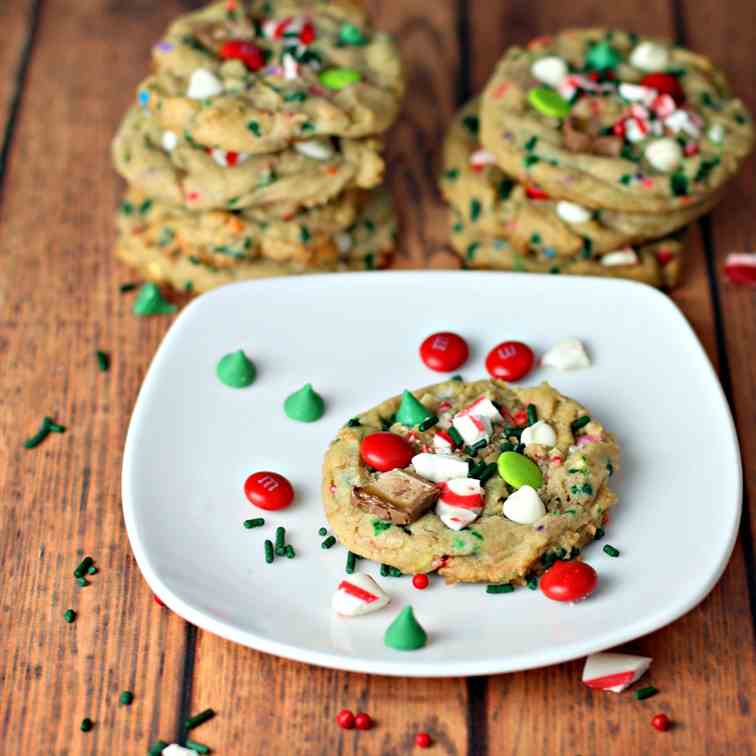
(339, 78)
(518, 470)
(549, 102)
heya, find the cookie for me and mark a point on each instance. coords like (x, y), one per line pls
(611, 120)
(176, 170)
(180, 248)
(658, 263)
(423, 517)
(494, 204)
(255, 76)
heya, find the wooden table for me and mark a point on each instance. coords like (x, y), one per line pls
(68, 69)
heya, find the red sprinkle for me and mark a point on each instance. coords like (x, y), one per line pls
(345, 719)
(363, 721)
(510, 360)
(247, 52)
(569, 581)
(307, 35)
(741, 269)
(444, 351)
(661, 722)
(423, 740)
(385, 451)
(420, 582)
(268, 490)
(536, 193)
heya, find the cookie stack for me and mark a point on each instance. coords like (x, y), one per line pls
(254, 148)
(588, 153)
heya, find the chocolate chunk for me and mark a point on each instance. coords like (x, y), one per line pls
(398, 496)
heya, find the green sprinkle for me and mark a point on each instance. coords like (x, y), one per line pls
(581, 422)
(145, 207)
(103, 360)
(157, 748)
(86, 724)
(611, 551)
(69, 616)
(92, 570)
(472, 124)
(38, 437)
(678, 184)
(471, 250)
(351, 561)
(304, 234)
(706, 167)
(507, 447)
(587, 489)
(644, 693)
(126, 208)
(504, 588)
(512, 431)
(83, 582)
(452, 174)
(475, 209)
(475, 534)
(455, 377)
(385, 570)
(532, 414)
(199, 719)
(427, 423)
(193, 745)
(625, 179)
(330, 541)
(533, 584)
(254, 523)
(83, 566)
(458, 228)
(126, 287)
(307, 127)
(353, 423)
(296, 96)
(600, 533)
(529, 160)
(395, 572)
(149, 301)
(531, 143)
(505, 188)
(254, 127)
(488, 473)
(280, 541)
(289, 551)
(453, 432)
(126, 697)
(269, 553)
(54, 427)
(337, 79)
(379, 526)
(323, 532)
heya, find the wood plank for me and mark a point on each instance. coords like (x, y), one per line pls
(694, 653)
(59, 302)
(293, 706)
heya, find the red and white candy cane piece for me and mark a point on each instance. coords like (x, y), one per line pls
(472, 428)
(481, 158)
(439, 468)
(443, 443)
(482, 407)
(614, 672)
(461, 503)
(357, 595)
(741, 268)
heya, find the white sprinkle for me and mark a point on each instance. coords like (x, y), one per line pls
(571, 212)
(317, 149)
(539, 433)
(347, 604)
(664, 155)
(524, 506)
(601, 670)
(716, 133)
(649, 56)
(204, 84)
(290, 67)
(619, 257)
(550, 70)
(169, 141)
(567, 355)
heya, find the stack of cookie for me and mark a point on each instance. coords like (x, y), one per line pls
(254, 148)
(587, 153)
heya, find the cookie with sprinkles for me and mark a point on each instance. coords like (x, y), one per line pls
(658, 263)
(253, 76)
(174, 168)
(199, 251)
(491, 202)
(504, 481)
(608, 119)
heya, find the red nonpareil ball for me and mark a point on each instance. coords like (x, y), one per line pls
(661, 722)
(345, 719)
(569, 581)
(268, 490)
(423, 740)
(444, 351)
(420, 582)
(363, 721)
(384, 451)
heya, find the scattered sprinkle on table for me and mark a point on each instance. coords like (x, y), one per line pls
(197, 747)
(269, 552)
(423, 740)
(48, 426)
(149, 301)
(69, 616)
(103, 360)
(661, 722)
(420, 582)
(322, 532)
(330, 541)
(83, 566)
(199, 719)
(345, 719)
(363, 721)
(505, 588)
(611, 551)
(82, 582)
(126, 697)
(86, 724)
(255, 522)
(128, 286)
(643, 693)
(157, 748)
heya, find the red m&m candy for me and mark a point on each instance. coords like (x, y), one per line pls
(247, 52)
(444, 351)
(665, 83)
(569, 581)
(386, 451)
(345, 719)
(510, 360)
(268, 490)
(363, 721)
(423, 740)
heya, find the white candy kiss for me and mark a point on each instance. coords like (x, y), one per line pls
(174, 749)
(550, 70)
(649, 56)
(472, 428)
(572, 212)
(619, 257)
(315, 149)
(539, 433)
(358, 594)
(524, 506)
(204, 84)
(567, 355)
(614, 672)
(169, 141)
(439, 467)
(664, 155)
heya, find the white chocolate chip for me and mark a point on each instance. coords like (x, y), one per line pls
(664, 155)
(174, 749)
(550, 70)
(649, 56)
(571, 212)
(637, 93)
(439, 467)
(317, 149)
(203, 84)
(567, 355)
(620, 257)
(366, 596)
(524, 506)
(169, 141)
(716, 133)
(539, 433)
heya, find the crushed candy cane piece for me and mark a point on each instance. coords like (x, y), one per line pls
(550, 70)
(443, 442)
(683, 120)
(357, 595)
(539, 433)
(524, 506)
(228, 159)
(664, 155)
(619, 257)
(741, 268)
(317, 149)
(664, 105)
(571, 212)
(637, 93)
(460, 503)
(567, 355)
(649, 56)
(614, 672)
(472, 428)
(481, 158)
(482, 407)
(204, 84)
(439, 468)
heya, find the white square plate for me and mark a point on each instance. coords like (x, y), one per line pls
(192, 442)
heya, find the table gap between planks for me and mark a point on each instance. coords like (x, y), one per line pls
(68, 69)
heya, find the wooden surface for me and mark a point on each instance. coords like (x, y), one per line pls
(67, 71)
